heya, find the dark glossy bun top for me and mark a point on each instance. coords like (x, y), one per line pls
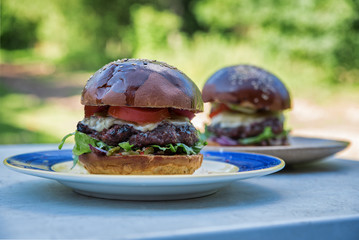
(142, 83)
(247, 86)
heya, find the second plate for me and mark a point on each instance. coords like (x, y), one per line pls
(300, 150)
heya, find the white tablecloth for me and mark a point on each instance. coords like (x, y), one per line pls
(317, 201)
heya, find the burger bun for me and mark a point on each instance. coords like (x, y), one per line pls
(141, 164)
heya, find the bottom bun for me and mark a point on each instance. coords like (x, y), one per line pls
(141, 164)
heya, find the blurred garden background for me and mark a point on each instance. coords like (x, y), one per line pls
(49, 49)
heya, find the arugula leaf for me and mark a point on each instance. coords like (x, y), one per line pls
(199, 145)
(82, 142)
(205, 135)
(75, 157)
(82, 145)
(163, 148)
(64, 139)
(182, 148)
(102, 145)
(185, 148)
(266, 134)
(75, 161)
(126, 146)
(172, 148)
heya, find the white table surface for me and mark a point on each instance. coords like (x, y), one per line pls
(317, 201)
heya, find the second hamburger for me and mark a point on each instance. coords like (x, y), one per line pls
(247, 107)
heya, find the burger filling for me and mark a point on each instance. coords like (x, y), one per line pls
(231, 125)
(135, 131)
(162, 133)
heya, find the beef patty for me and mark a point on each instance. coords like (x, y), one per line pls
(165, 133)
(250, 130)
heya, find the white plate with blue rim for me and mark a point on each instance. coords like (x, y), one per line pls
(300, 150)
(219, 169)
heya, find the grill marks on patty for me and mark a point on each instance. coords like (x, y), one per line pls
(250, 130)
(165, 133)
(115, 134)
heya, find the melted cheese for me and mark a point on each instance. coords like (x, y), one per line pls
(100, 123)
(232, 120)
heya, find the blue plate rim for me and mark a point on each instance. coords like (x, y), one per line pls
(270, 169)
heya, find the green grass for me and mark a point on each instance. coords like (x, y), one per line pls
(11, 134)
(26, 118)
(22, 56)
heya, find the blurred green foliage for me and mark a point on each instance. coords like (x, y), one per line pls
(312, 45)
(26, 118)
(13, 106)
(86, 34)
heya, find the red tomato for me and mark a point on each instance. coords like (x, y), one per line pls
(139, 115)
(185, 113)
(217, 110)
(91, 110)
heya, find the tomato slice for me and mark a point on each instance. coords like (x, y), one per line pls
(139, 115)
(91, 110)
(185, 113)
(218, 109)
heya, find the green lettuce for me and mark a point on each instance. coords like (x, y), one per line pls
(83, 142)
(206, 134)
(64, 139)
(178, 148)
(266, 134)
(126, 146)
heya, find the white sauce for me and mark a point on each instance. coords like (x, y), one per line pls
(68, 167)
(100, 123)
(232, 120)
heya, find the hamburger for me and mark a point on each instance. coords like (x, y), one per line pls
(137, 120)
(247, 105)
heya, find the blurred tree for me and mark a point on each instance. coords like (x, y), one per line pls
(13, 24)
(308, 30)
(347, 51)
(85, 34)
(153, 30)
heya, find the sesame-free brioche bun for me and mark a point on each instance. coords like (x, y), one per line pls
(141, 164)
(142, 83)
(247, 86)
